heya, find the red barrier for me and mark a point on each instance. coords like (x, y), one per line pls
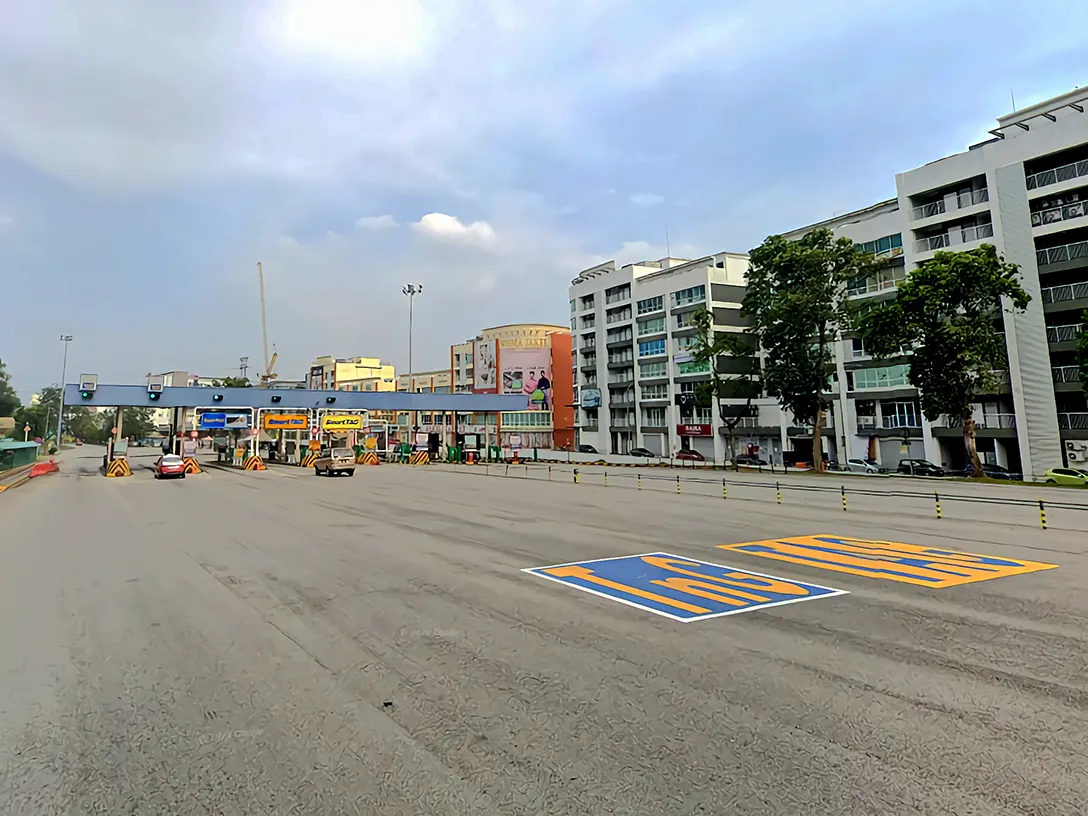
(42, 468)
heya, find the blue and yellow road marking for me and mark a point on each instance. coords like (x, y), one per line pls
(684, 589)
(905, 563)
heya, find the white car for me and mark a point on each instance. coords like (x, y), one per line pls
(864, 466)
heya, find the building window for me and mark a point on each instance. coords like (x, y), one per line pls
(687, 388)
(684, 343)
(900, 414)
(617, 294)
(587, 302)
(653, 417)
(685, 319)
(654, 304)
(526, 419)
(651, 347)
(685, 297)
(657, 391)
(693, 368)
(896, 376)
(889, 245)
(653, 326)
(647, 370)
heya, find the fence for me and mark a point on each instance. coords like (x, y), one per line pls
(844, 497)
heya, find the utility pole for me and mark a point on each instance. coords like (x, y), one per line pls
(66, 339)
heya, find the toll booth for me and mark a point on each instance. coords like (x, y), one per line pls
(341, 428)
(232, 429)
(284, 434)
(374, 437)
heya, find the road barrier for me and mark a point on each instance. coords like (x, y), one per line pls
(254, 463)
(118, 467)
(419, 458)
(308, 460)
(367, 458)
(836, 494)
(191, 465)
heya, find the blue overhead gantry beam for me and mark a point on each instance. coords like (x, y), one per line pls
(137, 396)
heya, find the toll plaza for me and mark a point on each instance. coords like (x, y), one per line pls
(284, 424)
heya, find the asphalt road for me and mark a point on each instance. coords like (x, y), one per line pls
(252, 643)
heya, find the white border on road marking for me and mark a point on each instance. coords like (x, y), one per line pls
(832, 592)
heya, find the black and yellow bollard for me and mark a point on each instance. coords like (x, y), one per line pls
(725, 490)
(507, 473)
(843, 489)
(549, 473)
(606, 478)
(576, 475)
(937, 501)
(778, 491)
(677, 484)
(1042, 514)
(640, 481)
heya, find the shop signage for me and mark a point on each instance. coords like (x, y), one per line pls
(693, 430)
(341, 423)
(289, 422)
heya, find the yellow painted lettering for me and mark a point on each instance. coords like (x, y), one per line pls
(730, 579)
(711, 591)
(586, 574)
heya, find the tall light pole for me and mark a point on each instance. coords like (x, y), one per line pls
(66, 339)
(411, 290)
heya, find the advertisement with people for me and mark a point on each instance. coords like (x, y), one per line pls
(485, 366)
(528, 372)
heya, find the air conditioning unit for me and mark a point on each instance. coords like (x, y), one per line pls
(1073, 457)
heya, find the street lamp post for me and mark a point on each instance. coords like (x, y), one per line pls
(66, 339)
(411, 290)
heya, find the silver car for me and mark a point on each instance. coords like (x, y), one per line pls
(864, 466)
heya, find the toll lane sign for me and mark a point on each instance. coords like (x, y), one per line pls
(905, 563)
(683, 589)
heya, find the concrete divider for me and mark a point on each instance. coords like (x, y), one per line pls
(191, 465)
(367, 458)
(118, 467)
(254, 463)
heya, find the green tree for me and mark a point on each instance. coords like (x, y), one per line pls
(9, 400)
(42, 416)
(723, 350)
(946, 309)
(233, 382)
(1082, 352)
(796, 298)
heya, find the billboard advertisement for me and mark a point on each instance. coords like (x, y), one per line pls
(485, 366)
(591, 398)
(287, 422)
(528, 372)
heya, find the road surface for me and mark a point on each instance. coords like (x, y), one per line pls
(259, 643)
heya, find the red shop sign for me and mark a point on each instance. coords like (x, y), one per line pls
(693, 430)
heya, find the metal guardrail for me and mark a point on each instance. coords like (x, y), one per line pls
(777, 491)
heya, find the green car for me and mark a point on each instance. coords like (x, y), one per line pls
(1067, 476)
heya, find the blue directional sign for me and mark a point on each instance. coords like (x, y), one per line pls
(213, 420)
(683, 589)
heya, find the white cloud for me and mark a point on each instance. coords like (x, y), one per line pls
(377, 222)
(444, 227)
(645, 199)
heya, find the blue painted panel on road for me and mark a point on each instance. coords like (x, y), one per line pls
(684, 589)
(212, 420)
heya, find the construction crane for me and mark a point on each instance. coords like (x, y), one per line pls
(269, 362)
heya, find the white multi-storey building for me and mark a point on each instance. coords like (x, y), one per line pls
(1025, 191)
(634, 373)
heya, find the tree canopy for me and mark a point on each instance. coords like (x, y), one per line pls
(947, 310)
(233, 382)
(9, 400)
(796, 298)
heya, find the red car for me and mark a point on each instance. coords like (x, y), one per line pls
(170, 466)
(690, 455)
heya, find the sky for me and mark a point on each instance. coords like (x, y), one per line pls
(152, 152)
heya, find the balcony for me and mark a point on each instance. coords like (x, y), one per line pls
(887, 279)
(1068, 291)
(1064, 334)
(1061, 254)
(961, 201)
(979, 232)
(1066, 172)
(1066, 374)
(1053, 215)
(1073, 421)
(895, 421)
(988, 422)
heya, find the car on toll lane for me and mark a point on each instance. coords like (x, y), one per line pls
(335, 461)
(170, 466)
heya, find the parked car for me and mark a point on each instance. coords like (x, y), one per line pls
(919, 467)
(690, 455)
(586, 449)
(170, 466)
(641, 452)
(745, 460)
(335, 461)
(864, 466)
(994, 472)
(1067, 476)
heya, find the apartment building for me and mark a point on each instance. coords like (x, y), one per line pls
(163, 418)
(1026, 191)
(351, 374)
(635, 374)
